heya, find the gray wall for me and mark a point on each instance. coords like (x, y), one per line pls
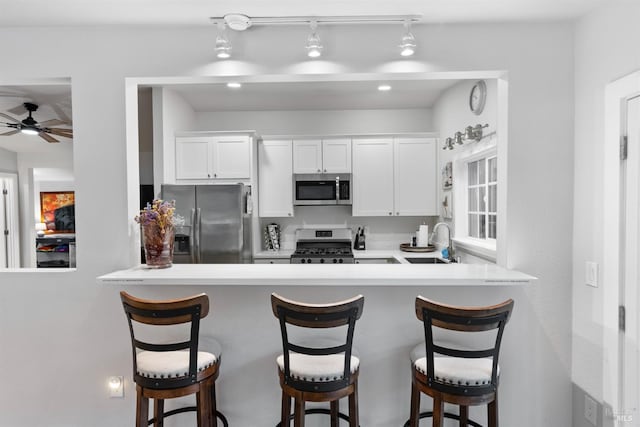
(64, 333)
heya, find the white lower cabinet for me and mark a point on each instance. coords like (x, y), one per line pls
(275, 178)
(271, 261)
(394, 177)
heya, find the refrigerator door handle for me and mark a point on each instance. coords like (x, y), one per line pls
(192, 237)
(197, 235)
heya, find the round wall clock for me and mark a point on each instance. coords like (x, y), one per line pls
(477, 97)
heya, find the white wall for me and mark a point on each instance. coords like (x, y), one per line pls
(319, 122)
(8, 161)
(452, 114)
(602, 55)
(171, 114)
(80, 326)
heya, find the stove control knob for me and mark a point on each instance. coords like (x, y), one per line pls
(340, 260)
(308, 260)
(321, 260)
(335, 260)
(303, 261)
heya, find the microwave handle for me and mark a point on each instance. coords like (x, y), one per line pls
(337, 189)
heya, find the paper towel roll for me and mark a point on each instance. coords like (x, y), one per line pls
(423, 236)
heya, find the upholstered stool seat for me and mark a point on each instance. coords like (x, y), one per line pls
(454, 370)
(452, 373)
(171, 364)
(317, 370)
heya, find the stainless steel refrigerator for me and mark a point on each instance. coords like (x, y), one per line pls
(217, 229)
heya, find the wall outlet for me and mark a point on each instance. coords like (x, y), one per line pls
(591, 274)
(116, 386)
(590, 410)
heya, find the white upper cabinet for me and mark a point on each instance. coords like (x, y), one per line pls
(336, 155)
(415, 176)
(192, 158)
(275, 182)
(373, 177)
(213, 157)
(394, 177)
(322, 156)
(307, 156)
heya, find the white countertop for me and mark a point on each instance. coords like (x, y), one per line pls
(324, 275)
(366, 254)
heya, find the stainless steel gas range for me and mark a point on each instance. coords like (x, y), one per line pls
(326, 246)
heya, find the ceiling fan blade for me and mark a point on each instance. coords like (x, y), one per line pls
(9, 118)
(47, 138)
(52, 122)
(19, 110)
(13, 132)
(67, 133)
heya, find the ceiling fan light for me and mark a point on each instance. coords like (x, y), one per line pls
(27, 130)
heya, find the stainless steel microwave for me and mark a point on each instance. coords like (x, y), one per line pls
(321, 189)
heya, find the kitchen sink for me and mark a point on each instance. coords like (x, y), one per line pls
(430, 260)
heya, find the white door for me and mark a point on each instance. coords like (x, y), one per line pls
(336, 155)
(9, 226)
(231, 157)
(192, 158)
(373, 177)
(629, 268)
(307, 156)
(275, 179)
(415, 176)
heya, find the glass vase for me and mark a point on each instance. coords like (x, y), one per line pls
(158, 245)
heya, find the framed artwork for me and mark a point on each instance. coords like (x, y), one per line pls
(58, 211)
(447, 176)
(447, 205)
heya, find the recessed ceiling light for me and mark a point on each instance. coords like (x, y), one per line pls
(234, 85)
(384, 88)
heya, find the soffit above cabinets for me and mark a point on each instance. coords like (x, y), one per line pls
(337, 95)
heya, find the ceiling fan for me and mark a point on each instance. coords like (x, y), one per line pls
(30, 126)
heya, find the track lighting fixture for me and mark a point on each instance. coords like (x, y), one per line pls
(314, 46)
(408, 44)
(223, 46)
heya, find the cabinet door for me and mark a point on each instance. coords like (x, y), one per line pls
(415, 176)
(231, 157)
(336, 155)
(307, 156)
(275, 181)
(192, 158)
(373, 177)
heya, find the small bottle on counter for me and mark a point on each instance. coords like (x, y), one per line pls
(413, 241)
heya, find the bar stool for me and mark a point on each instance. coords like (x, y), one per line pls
(459, 376)
(320, 371)
(176, 369)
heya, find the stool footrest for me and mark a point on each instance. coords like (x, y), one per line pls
(219, 414)
(318, 411)
(429, 414)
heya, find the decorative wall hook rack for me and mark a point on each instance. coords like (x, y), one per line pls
(471, 133)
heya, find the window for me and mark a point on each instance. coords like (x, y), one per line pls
(482, 193)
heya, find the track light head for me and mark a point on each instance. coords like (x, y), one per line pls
(314, 45)
(223, 45)
(408, 43)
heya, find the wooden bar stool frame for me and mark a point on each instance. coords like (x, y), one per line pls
(465, 319)
(173, 312)
(318, 316)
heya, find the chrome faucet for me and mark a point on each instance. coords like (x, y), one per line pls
(449, 248)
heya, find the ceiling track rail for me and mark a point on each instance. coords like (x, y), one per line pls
(247, 21)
